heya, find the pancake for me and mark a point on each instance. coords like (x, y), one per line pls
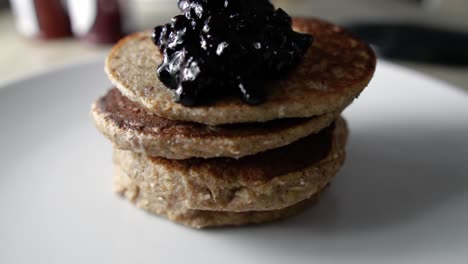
(271, 180)
(177, 212)
(334, 71)
(130, 127)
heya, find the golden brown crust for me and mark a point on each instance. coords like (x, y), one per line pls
(272, 180)
(179, 213)
(335, 70)
(131, 127)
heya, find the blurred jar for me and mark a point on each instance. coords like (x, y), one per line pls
(46, 19)
(98, 21)
(105, 21)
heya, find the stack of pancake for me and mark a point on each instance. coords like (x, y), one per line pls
(229, 163)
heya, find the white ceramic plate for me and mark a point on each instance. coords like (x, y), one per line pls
(401, 198)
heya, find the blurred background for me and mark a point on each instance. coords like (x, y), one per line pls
(430, 36)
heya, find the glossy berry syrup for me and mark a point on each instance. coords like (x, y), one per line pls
(222, 48)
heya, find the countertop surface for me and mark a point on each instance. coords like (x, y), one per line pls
(20, 56)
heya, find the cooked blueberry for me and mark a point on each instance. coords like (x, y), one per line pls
(187, 93)
(164, 75)
(156, 37)
(282, 18)
(180, 22)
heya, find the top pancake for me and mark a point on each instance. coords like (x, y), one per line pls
(335, 70)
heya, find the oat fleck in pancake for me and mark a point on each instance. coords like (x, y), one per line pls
(131, 127)
(272, 180)
(335, 70)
